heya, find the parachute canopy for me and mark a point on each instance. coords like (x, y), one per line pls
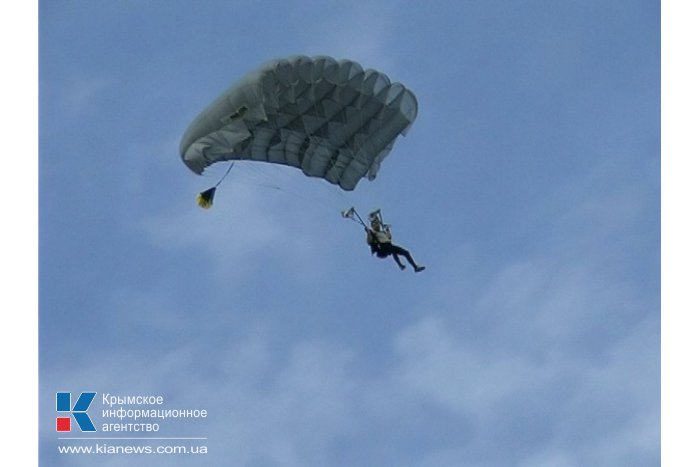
(330, 118)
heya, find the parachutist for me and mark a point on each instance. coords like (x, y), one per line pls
(379, 240)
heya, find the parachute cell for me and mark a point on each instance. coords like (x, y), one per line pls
(330, 118)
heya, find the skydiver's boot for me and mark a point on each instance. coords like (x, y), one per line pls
(412, 262)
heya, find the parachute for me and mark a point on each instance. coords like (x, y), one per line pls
(332, 119)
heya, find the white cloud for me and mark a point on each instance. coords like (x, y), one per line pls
(294, 403)
(230, 236)
(264, 406)
(437, 365)
(80, 95)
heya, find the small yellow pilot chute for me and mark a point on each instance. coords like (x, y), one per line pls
(205, 199)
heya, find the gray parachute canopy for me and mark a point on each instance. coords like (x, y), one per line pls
(330, 118)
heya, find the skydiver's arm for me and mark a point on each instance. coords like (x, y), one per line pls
(370, 237)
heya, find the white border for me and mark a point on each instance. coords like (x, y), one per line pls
(19, 188)
(680, 213)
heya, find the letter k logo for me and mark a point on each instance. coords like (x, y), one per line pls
(79, 411)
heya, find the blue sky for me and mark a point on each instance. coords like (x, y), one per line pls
(529, 186)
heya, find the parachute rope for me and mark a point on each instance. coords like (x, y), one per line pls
(228, 171)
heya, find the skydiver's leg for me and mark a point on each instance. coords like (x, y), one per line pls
(397, 250)
(398, 261)
(386, 249)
